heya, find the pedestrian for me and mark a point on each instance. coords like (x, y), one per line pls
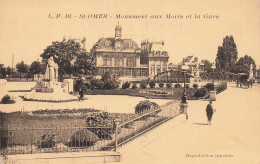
(210, 110)
(81, 94)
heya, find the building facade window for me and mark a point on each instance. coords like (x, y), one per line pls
(119, 62)
(158, 70)
(164, 69)
(104, 70)
(107, 61)
(117, 71)
(129, 72)
(152, 69)
(130, 62)
(144, 72)
(107, 43)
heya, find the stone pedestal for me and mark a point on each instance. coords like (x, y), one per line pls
(212, 95)
(68, 85)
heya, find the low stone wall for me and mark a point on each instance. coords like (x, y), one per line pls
(76, 157)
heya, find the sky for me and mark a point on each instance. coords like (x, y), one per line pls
(26, 29)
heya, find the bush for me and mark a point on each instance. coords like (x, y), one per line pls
(102, 120)
(152, 84)
(126, 85)
(89, 86)
(209, 86)
(177, 85)
(195, 86)
(221, 87)
(7, 100)
(161, 85)
(97, 84)
(134, 86)
(169, 85)
(143, 106)
(83, 138)
(48, 141)
(200, 93)
(79, 85)
(143, 84)
(110, 82)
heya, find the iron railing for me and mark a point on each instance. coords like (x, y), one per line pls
(75, 138)
(145, 122)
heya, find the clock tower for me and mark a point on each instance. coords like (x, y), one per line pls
(118, 30)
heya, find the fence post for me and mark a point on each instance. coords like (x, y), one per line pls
(116, 135)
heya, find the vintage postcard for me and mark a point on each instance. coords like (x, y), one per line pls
(109, 81)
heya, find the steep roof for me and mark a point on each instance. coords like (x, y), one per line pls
(157, 47)
(104, 44)
(188, 58)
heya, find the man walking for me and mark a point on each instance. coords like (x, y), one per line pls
(210, 110)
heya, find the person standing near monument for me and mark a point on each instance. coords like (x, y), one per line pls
(210, 110)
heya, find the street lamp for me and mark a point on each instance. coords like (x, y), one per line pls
(184, 104)
(213, 92)
(213, 67)
(184, 70)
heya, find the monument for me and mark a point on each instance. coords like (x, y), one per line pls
(49, 89)
(50, 78)
(251, 75)
(51, 72)
(197, 73)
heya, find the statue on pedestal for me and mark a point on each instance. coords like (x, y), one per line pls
(51, 72)
(50, 78)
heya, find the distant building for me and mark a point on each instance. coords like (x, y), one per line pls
(125, 58)
(192, 62)
(81, 41)
(258, 75)
(172, 66)
(154, 56)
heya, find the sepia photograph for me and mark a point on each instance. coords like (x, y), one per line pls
(130, 82)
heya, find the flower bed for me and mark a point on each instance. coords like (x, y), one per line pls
(63, 112)
(158, 93)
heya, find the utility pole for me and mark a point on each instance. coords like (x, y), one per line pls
(11, 73)
(12, 62)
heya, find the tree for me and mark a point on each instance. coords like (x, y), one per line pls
(207, 66)
(22, 68)
(2, 71)
(243, 65)
(227, 54)
(63, 53)
(84, 64)
(9, 71)
(35, 68)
